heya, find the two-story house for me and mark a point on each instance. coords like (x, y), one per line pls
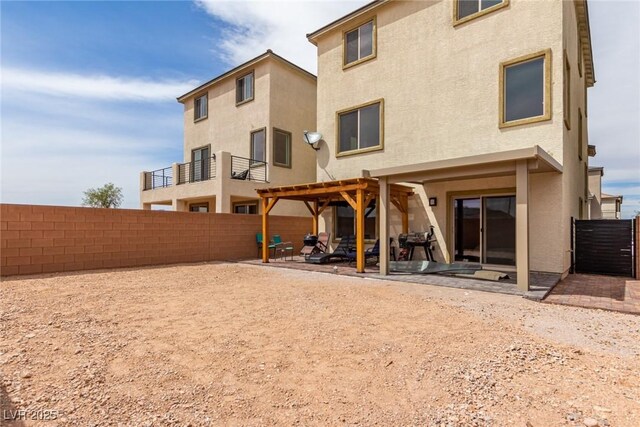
(241, 132)
(480, 105)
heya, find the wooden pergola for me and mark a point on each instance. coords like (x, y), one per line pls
(357, 192)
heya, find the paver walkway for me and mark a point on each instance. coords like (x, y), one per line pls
(591, 291)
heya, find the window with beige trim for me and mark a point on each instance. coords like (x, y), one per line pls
(244, 88)
(360, 129)
(258, 149)
(579, 56)
(200, 108)
(281, 148)
(359, 44)
(580, 136)
(567, 92)
(466, 10)
(245, 208)
(525, 86)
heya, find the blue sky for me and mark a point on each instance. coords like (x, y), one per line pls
(89, 88)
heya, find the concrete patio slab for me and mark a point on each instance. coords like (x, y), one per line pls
(593, 291)
(540, 283)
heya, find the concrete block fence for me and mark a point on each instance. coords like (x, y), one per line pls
(45, 239)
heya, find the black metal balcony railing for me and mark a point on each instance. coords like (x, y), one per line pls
(248, 169)
(197, 170)
(158, 179)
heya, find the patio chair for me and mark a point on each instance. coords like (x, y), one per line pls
(373, 252)
(345, 246)
(240, 175)
(282, 247)
(321, 246)
(259, 243)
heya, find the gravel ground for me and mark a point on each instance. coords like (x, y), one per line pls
(233, 344)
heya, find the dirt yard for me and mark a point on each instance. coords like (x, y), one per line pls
(232, 344)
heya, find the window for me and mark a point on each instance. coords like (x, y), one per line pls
(360, 129)
(200, 108)
(200, 164)
(580, 136)
(567, 92)
(245, 208)
(244, 89)
(466, 10)
(258, 145)
(281, 148)
(360, 44)
(344, 223)
(199, 207)
(579, 56)
(525, 86)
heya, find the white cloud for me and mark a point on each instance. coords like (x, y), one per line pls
(95, 87)
(282, 26)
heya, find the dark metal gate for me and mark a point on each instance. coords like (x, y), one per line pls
(604, 246)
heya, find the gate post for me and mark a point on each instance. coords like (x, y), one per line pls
(573, 247)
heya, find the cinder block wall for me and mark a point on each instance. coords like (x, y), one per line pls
(44, 239)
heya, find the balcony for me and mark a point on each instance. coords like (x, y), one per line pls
(158, 179)
(243, 168)
(197, 170)
(231, 167)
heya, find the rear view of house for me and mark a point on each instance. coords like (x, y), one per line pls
(480, 106)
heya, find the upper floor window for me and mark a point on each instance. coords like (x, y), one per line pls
(466, 10)
(200, 108)
(244, 89)
(580, 136)
(579, 56)
(525, 86)
(360, 129)
(567, 92)
(281, 148)
(259, 145)
(360, 44)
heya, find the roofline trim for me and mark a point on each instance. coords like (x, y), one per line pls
(248, 64)
(356, 13)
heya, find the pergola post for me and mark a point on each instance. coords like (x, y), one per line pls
(383, 211)
(522, 225)
(265, 229)
(360, 230)
(315, 217)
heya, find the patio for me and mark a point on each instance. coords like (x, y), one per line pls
(603, 292)
(540, 284)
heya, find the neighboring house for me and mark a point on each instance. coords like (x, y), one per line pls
(595, 192)
(611, 206)
(242, 131)
(601, 205)
(480, 105)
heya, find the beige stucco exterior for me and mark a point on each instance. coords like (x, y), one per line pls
(284, 98)
(440, 86)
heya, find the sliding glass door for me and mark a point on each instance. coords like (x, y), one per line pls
(500, 230)
(485, 229)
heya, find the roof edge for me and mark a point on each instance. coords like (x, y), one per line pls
(361, 10)
(268, 54)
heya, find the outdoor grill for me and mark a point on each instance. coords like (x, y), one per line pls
(310, 240)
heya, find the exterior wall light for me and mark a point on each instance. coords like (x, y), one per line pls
(312, 138)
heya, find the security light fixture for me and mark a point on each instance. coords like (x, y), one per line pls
(312, 138)
(433, 201)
